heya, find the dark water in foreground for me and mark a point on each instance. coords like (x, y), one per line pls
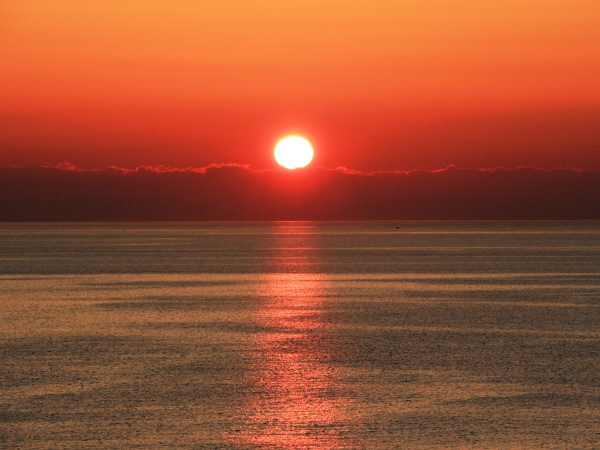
(300, 335)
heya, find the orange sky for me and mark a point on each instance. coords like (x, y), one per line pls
(378, 84)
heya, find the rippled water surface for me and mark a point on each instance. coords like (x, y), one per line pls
(300, 335)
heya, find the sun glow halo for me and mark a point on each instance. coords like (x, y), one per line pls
(293, 152)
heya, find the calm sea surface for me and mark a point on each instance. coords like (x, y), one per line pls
(291, 335)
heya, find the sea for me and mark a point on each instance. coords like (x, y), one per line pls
(300, 335)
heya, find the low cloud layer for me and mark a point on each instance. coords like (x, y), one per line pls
(233, 192)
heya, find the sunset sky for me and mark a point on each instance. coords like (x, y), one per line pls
(374, 85)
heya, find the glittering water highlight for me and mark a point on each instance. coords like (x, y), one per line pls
(300, 335)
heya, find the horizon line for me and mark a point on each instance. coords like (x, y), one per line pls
(66, 166)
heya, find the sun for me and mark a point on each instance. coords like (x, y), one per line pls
(293, 152)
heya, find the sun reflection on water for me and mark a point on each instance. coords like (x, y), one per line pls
(297, 398)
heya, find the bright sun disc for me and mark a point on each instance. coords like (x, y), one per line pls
(293, 152)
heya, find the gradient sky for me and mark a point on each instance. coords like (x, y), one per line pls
(375, 85)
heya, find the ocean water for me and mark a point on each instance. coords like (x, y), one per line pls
(297, 335)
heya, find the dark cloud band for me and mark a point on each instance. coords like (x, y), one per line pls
(234, 192)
